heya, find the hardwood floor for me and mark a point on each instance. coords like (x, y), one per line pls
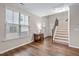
(45, 48)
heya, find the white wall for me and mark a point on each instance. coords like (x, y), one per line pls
(74, 26)
(46, 29)
(9, 44)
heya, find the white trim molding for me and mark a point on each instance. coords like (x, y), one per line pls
(73, 46)
(15, 47)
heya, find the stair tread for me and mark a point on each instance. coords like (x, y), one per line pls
(61, 33)
(62, 42)
(63, 30)
(61, 38)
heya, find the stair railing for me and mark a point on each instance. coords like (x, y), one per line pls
(54, 28)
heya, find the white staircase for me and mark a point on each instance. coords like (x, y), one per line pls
(61, 34)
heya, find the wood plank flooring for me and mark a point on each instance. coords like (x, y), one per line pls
(45, 48)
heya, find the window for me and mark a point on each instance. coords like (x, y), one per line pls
(24, 25)
(16, 18)
(22, 20)
(9, 16)
(16, 24)
(12, 24)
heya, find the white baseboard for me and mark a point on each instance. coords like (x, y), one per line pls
(14, 47)
(73, 46)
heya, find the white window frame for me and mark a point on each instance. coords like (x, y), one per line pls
(18, 24)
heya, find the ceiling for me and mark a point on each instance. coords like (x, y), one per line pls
(44, 9)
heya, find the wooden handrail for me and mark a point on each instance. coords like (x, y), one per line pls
(54, 28)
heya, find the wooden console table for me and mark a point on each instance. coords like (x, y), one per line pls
(38, 37)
